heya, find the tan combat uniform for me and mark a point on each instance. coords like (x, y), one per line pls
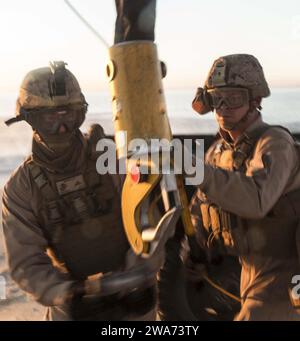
(63, 227)
(242, 215)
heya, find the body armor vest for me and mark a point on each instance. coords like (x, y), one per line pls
(81, 218)
(235, 235)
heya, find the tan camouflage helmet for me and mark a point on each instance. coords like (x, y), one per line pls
(238, 70)
(48, 87)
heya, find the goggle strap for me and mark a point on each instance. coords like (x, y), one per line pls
(13, 120)
(21, 117)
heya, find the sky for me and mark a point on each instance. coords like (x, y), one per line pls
(190, 35)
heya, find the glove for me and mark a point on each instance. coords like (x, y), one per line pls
(101, 298)
(111, 296)
(139, 275)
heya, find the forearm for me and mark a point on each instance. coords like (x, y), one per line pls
(30, 266)
(269, 171)
(247, 196)
(226, 189)
(42, 281)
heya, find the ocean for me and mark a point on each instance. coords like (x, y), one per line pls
(283, 107)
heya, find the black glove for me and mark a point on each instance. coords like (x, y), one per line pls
(113, 307)
(103, 297)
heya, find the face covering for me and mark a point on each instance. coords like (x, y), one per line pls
(59, 153)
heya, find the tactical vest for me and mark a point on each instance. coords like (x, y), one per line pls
(81, 218)
(274, 235)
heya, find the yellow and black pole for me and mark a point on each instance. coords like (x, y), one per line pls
(152, 202)
(139, 112)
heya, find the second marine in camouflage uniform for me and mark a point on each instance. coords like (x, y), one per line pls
(247, 203)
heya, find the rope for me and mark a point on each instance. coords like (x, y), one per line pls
(87, 24)
(222, 290)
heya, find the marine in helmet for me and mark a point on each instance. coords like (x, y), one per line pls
(62, 220)
(246, 205)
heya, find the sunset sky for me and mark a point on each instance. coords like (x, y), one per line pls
(190, 34)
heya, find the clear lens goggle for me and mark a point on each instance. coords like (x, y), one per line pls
(233, 98)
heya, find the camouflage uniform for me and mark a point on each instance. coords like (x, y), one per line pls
(62, 220)
(247, 203)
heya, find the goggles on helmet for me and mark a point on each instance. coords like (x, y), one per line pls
(233, 98)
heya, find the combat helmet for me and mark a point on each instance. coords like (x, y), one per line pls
(47, 88)
(236, 70)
